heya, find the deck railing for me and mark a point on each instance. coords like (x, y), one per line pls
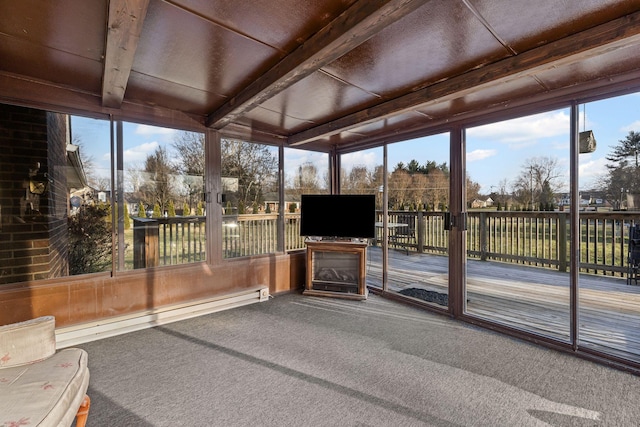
(167, 241)
(532, 238)
(254, 234)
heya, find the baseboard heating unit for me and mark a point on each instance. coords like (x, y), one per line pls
(91, 331)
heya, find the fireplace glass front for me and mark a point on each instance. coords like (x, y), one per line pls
(335, 271)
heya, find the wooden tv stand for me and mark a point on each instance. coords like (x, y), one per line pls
(336, 269)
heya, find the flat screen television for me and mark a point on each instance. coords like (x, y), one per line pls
(338, 215)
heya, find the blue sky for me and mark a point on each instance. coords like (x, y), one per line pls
(140, 141)
(494, 152)
(498, 151)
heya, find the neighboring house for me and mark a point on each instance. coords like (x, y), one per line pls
(479, 203)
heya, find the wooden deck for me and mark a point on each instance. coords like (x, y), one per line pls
(532, 299)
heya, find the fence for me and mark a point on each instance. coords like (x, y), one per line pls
(533, 238)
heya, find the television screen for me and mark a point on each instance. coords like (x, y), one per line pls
(338, 215)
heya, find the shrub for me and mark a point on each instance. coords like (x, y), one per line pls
(89, 240)
(171, 209)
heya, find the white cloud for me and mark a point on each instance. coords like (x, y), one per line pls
(153, 130)
(359, 158)
(294, 158)
(480, 154)
(632, 127)
(524, 131)
(140, 152)
(590, 170)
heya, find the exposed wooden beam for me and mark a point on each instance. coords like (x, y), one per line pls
(357, 24)
(29, 92)
(126, 18)
(620, 33)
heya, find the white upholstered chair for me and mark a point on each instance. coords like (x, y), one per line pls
(39, 386)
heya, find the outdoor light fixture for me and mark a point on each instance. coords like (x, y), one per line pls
(38, 180)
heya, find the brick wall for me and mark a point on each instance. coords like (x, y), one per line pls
(32, 226)
(58, 195)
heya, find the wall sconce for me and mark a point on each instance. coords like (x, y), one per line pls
(587, 142)
(38, 181)
(37, 186)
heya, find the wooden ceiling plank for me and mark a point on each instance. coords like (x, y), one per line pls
(126, 18)
(620, 33)
(357, 24)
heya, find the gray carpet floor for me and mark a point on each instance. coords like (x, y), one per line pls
(306, 361)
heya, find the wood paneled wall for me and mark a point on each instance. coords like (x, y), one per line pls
(80, 299)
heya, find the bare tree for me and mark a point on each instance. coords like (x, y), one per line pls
(306, 181)
(419, 186)
(189, 147)
(159, 186)
(399, 184)
(501, 194)
(438, 191)
(539, 181)
(359, 180)
(190, 150)
(473, 190)
(255, 168)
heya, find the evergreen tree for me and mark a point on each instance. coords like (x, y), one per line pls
(127, 219)
(627, 149)
(624, 171)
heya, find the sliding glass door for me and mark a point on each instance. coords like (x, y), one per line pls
(418, 200)
(609, 289)
(518, 244)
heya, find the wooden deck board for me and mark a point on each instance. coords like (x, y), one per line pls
(532, 299)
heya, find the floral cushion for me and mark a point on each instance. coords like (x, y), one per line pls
(39, 387)
(44, 393)
(27, 342)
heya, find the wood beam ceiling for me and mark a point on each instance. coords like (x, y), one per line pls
(126, 18)
(620, 33)
(360, 22)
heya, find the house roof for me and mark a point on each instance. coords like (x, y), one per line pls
(76, 176)
(316, 74)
